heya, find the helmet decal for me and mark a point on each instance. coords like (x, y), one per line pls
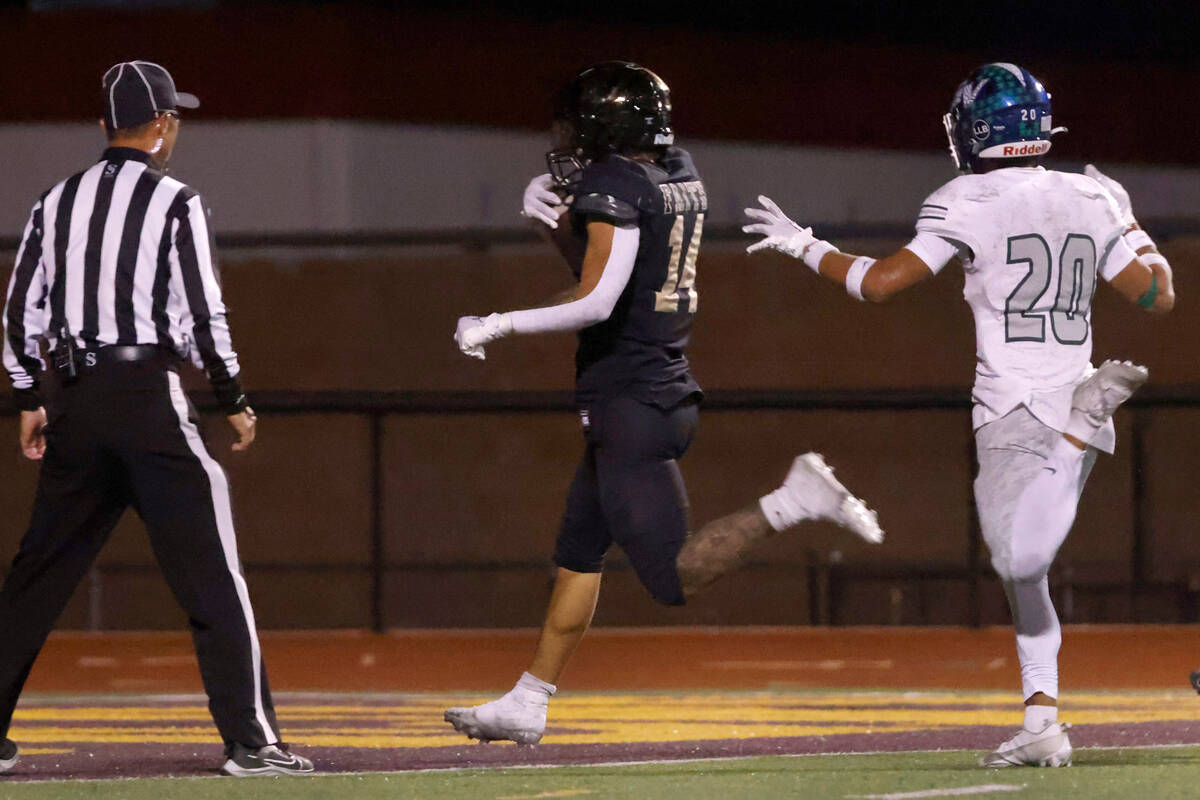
(1017, 72)
(968, 92)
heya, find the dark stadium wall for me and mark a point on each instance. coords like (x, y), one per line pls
(291, 60)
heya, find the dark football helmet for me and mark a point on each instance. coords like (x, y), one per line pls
(611, 107)
(1000, 111)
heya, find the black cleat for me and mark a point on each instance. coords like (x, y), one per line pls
(8, 755)
(1196, 680)
(245, 762)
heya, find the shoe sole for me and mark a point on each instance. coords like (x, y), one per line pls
(231, 767)
(464, 721)
(1053, 761)
(1056, 759)
(853, 513)
(5, 766)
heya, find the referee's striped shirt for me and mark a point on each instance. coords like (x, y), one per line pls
(119, 254)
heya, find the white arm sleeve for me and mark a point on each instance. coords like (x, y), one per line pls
(597, 306)
(934, 250)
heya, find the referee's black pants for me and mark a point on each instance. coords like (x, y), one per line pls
(125, 435)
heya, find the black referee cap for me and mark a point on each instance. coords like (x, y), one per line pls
(135, 92)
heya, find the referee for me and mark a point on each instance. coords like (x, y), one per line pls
(115, 275)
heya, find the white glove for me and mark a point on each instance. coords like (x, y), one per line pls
(1116, 190)
(781, 233)
(473, 333)
(541, 203)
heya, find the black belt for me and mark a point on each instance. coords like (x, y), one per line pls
(96, 356)
(115, 353)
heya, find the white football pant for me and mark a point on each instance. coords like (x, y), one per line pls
(1027, 492)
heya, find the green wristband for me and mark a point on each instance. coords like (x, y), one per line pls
(1147, 299)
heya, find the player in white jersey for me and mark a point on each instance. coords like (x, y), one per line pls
(1032, 243)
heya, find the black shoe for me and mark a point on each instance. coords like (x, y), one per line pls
(8, 755)
(246, 762)
(1196, 680)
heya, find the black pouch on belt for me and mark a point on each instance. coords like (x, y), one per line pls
(63, 357)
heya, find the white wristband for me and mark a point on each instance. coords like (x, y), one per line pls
(815, 252)
(1137, 239)
(1149, 259)
(854, 277)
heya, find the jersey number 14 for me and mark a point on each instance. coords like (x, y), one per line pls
(1027, 307)
(681, 268)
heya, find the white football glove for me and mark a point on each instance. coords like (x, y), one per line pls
(1116, 190)
(473, 333)
(541, 203)
(781, 233)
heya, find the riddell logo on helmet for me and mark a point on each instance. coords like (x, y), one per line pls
(1016, 149)
(1025, 149)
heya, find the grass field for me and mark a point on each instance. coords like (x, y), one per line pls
(1099, 773)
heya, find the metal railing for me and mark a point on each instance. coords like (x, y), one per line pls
(828, 581)
(1162, 228)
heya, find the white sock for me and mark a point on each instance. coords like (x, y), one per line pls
(1081, 426)
(1039, 636)
(1038, 717)
(532, 690)
(783, 509)
(780, 511)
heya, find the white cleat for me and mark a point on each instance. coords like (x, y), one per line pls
(1049, 748)
(499, 720)
(810, 485)
(1102, 392)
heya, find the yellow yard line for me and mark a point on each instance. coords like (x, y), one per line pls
(416, 721)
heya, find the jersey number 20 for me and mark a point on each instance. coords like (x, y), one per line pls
(681, 268)
(1025, 310)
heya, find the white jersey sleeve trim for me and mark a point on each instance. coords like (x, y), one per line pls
(934, 251)
(599, 303)
(1116, 258)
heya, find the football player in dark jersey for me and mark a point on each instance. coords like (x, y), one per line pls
(636, 205)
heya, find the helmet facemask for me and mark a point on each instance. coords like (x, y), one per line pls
(565, 160)
(950, 123)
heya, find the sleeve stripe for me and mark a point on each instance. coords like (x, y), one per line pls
(934, 205)
(930, 216)
(20, 364)
(199, 282)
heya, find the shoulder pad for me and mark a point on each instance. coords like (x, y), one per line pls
(947, 212)
(679, 165)
(615, 187)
